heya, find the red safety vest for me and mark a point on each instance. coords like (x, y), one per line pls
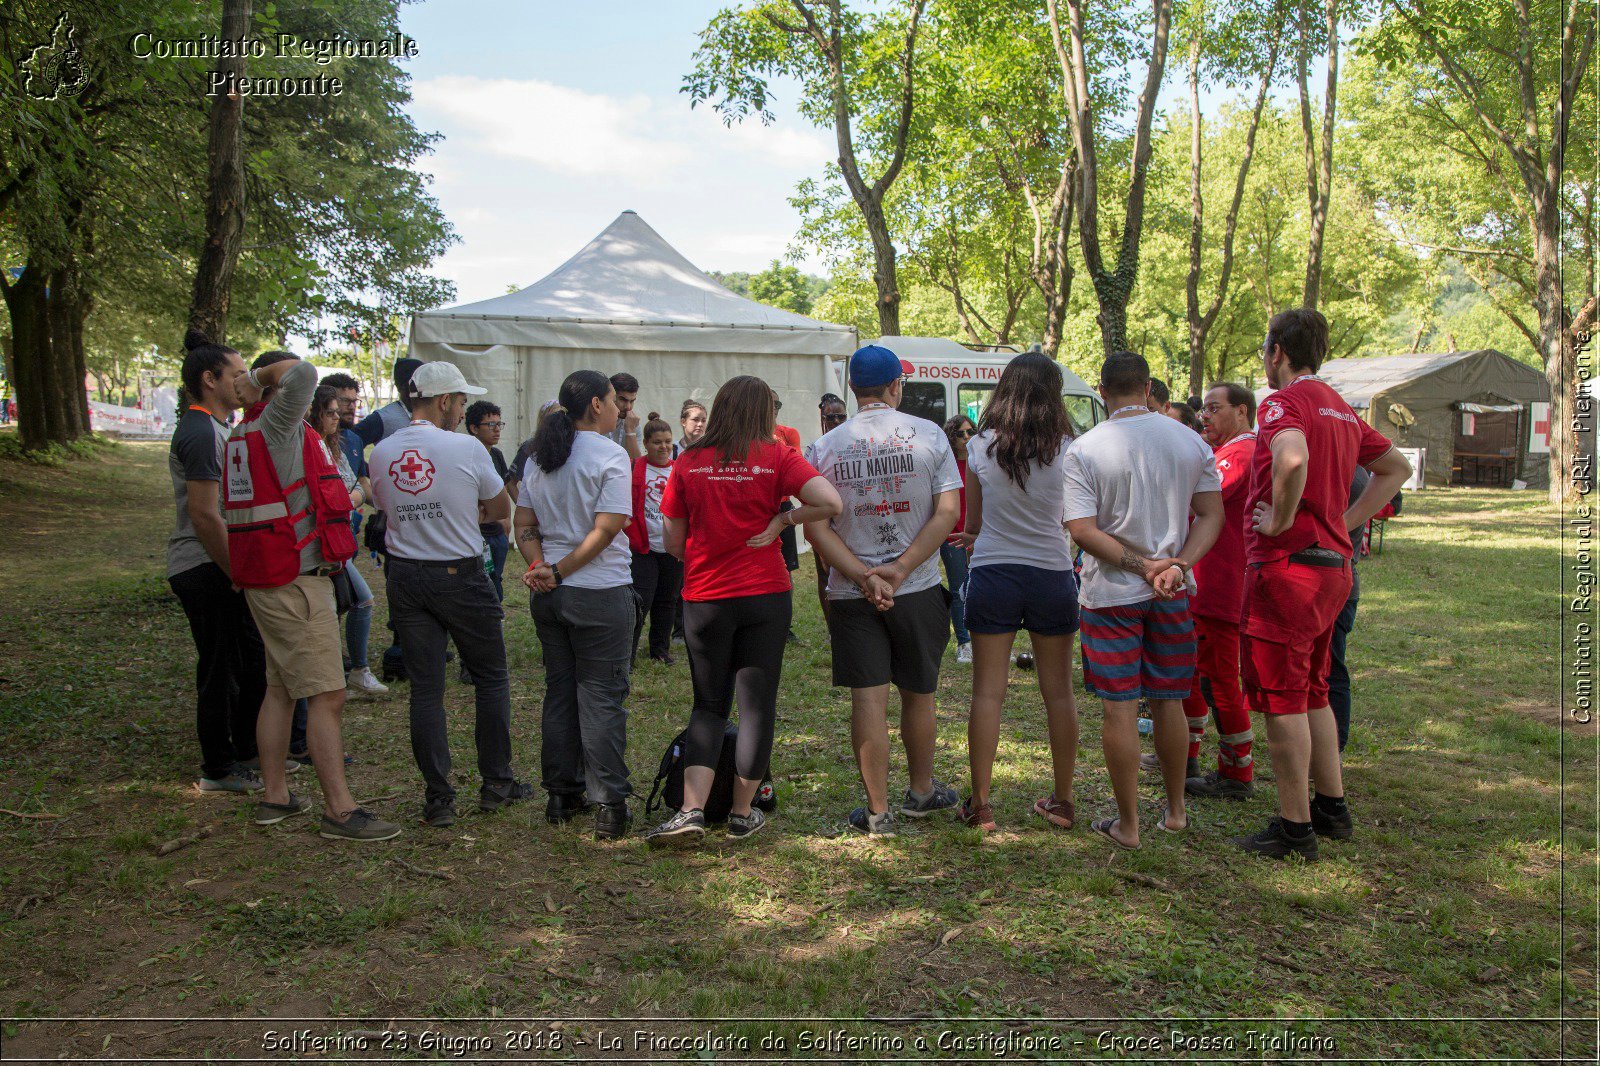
(262, 547)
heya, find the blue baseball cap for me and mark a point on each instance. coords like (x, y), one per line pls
(873, 366)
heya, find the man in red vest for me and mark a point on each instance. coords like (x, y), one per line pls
(1297, 550)
(288, 532)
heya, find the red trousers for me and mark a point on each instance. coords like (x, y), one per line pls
(1218, 665)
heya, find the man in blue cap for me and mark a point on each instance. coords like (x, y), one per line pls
(889, 616)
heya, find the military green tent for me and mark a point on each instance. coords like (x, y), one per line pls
(1483, 417)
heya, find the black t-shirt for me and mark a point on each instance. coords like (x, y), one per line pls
(195, 455)
(489, 529)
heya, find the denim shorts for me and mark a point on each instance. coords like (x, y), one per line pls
(1006, 597)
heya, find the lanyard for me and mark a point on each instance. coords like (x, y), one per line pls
(876, 405)
(1130, 407)
(1248, 434)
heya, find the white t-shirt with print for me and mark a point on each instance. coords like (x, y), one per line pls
(887, 466)
(429, 483)
(597, 478)
(655, 484)
(1020, 525)
(1135, 477)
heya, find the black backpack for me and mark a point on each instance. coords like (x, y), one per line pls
(669, 781)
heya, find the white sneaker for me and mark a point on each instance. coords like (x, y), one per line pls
(964, 652)
(362, 682)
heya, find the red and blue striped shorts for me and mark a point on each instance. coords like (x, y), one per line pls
(1144, 649)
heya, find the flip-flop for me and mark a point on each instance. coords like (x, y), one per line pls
(1103, 827)
(1161, 823)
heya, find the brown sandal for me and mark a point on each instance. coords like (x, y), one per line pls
(979, 817)
(1059, 813)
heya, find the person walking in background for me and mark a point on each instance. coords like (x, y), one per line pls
(692, 420)
(435, 486)
(657, 573)
(1021, 575)
(626, 433)
(1132, 483)
(897, 480)
(576, 496)
(832, 413)
(953, 553)
(484, 423)
(1308, 444)
(1218, 601)
(288, 515)
(722, 518)
(230, 671)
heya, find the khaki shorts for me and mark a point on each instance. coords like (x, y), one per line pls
(300, 627)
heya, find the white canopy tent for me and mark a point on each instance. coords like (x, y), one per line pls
(630, 302)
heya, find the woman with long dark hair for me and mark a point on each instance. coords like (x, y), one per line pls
(953, 552)
(576, 496)
(324, 418)
(1021, 573)
(723, 518)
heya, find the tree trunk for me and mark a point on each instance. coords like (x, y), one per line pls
(1319, 171)
(1560, 359)
(884, 274)
(225, 206)
(69, 376)
(37, 417)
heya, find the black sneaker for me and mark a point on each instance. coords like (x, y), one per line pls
(1274, 842)
(942, 798)
(1212, 785)
(439, 814)
(741, 826)
(560, 807)
(611, 821)
(491, 799)
(683, 828)
(359, 825)
(873, 825)
(1333, 826)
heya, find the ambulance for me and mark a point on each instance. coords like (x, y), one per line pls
(945, 378)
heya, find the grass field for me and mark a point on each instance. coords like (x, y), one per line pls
(1448, 904)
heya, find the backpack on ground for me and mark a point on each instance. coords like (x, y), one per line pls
(669, 781)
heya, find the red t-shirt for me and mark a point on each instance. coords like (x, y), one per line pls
(1219, 575)
(1338, 442)
(788, 435)
(726, 506)
(961, 516)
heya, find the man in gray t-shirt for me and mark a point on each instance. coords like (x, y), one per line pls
(626, 432)
(889, 618)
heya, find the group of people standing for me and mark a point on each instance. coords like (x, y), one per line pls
(1195, 568)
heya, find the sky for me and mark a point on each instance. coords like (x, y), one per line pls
(557, 117)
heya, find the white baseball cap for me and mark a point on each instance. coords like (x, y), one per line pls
(441, 379)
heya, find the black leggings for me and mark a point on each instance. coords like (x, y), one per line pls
(736, 648)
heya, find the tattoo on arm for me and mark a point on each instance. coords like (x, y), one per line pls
(1132, 561)
(530, 533)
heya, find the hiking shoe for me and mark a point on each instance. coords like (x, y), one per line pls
(290, 766)
(683, 828)
(979, 817)
(561, 807)
(1212, 785)
(359, 824)
(362, 683)
(237, 780)
(611, 821)
(439, 814)
(964, 652)
(491, 799)
(1333, 826)
(942, 798)
(873, 825)
(1274, 842)
(273, 813)
(745, 825)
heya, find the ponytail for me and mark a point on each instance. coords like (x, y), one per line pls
(552, 442)
(654, 424)
(200, 356)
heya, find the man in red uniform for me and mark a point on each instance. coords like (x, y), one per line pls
(1308, 444)
(1228, 413)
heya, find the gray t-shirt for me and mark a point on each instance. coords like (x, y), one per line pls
(888, 466)
(1136, 477)
(283, 428)
(195, 455)
(619, 435)
(1021, 524)
(429, 483)
(597, 478)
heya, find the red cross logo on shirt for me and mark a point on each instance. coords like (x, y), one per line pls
(412, 472)
(238, 459)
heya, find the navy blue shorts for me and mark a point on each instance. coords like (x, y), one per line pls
(1006, 597)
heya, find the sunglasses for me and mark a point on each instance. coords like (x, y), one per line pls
(965, 433)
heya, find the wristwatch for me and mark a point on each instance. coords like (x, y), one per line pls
(556, 570)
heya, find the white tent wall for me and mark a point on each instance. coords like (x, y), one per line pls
(520, 379)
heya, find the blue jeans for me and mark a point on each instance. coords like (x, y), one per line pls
(955, 572)
(1339, 669)
(499, 546)
(358, 620)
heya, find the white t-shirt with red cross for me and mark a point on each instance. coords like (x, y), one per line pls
(429, 483)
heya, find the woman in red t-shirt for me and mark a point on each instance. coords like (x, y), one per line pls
(722, 518)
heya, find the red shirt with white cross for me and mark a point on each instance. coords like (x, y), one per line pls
(1337, 440)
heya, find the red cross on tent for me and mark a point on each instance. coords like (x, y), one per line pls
(1539, 431)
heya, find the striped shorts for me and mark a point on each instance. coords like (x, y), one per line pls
(1144, 649)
